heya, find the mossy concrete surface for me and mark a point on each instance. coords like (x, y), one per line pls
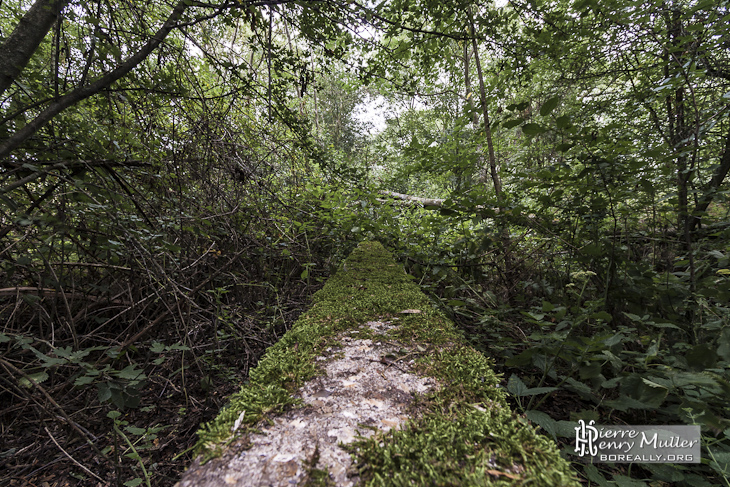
(437, 416)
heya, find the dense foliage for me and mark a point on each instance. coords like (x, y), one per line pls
(176, 180)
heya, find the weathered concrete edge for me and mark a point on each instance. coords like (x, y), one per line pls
(467, 423)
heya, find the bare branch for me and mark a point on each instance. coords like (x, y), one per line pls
(84, 92)
(19, 47)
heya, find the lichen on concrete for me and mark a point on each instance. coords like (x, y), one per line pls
(374, 370)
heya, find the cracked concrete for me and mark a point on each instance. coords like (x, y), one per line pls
(366, 386)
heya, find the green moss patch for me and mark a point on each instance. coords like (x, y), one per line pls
(464, 434)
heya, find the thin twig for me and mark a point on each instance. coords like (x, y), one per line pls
(72, 458)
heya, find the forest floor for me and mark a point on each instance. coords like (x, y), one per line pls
(184, 391)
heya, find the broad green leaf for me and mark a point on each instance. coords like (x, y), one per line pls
(549, 105)
(594, 475)
(516, 386)
(546, 422)
(563, 122)
(532, 129)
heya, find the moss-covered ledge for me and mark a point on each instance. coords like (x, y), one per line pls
(374, 368)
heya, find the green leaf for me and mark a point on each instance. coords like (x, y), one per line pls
(624, 481)
(563, 122)
(595, 476)
(546, 422)
(549, 106)
(516, 386)
(521, 359)
(723, 349)
(532, 129)
(590, 371)
(83, 380)
(603, 316)
(701, 357)
(665, 472)
(135, 430)
(652, 383)
(133, 483)
(624, 403)
(35, 378)
(535, 316)
(720, 462)
(104, 392)
(539, 390)
(518, 106)
(131, 373)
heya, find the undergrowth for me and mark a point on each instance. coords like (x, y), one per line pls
(580, 336)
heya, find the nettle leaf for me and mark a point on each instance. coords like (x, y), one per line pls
(652, 396)
(546, 422)
(516, 386)
(549, 106)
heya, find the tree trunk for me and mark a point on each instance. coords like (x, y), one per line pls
(19, 47)
(83, 92)
(475, 116)
(483, 97)
(717, 178)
